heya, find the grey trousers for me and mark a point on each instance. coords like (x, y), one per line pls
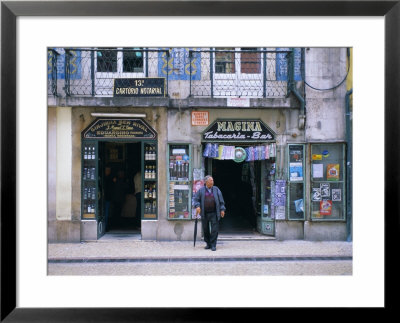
(210, 236)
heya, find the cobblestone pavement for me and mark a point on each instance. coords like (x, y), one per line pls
(136, 257)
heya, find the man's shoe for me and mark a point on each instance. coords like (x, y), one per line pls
(213, 248)
(207, 247)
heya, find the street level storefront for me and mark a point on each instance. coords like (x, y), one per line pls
(128, 157)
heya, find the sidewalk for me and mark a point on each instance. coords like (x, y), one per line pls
(135, 250)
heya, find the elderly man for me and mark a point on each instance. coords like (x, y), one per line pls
(209, 202)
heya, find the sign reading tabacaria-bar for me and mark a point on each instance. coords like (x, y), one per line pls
(238, 130)
(140, 87)
(119, 129)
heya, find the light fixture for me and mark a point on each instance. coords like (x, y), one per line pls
(119, 115)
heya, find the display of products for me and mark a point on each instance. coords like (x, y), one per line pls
(224, 152)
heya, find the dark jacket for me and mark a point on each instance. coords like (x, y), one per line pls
(219, 200)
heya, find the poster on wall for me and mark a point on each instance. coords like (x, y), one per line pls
(336, 195)
(280, 212)
(325, 207)
(296, 171)
(316, 194)
(332, 172)
(280, 193)
(325, 190)
(318, 170)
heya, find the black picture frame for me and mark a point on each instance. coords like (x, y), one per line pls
(10, 10)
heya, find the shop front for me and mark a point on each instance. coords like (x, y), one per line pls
(240, 154)
(119, 175)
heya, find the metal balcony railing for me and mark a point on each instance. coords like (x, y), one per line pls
(248, 72)
(240, 73)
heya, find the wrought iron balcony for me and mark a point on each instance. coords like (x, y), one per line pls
(244, 72)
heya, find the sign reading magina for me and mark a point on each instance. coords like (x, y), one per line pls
(140, 87)
(238, 130)
(119, 129)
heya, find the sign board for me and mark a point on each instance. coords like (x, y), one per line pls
(238, 102)
(282, 64)
(200, 118)
(139, 87)
(119, 129)
(236, 130)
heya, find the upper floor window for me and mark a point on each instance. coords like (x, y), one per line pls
(250, 61)
(245, 60)
(225, 61)
(128, 60)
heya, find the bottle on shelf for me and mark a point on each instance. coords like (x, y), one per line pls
(154, 192)
(146, 154)
(85, 154)
(146, 172)
(146, 192)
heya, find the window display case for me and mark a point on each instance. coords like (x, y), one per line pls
(296, 180)
(328, 182)
(179, 182)
(89, 180)
(150, 194)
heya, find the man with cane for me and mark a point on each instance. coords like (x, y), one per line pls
(210, 204)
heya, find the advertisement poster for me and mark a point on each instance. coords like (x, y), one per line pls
(325, 207)
(325, 190)
(296, 171)
(280, 194)
(318, 170)
(316, 194)
(332, 172)
(336, 195)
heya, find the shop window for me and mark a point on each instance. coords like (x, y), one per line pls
(328, 182)
(150, 181)
(296, 182)
(179, 182)
(89, 181)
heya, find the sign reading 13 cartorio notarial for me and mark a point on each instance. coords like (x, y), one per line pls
(140, 87)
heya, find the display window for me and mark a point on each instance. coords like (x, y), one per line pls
(296, 182)
(328, 182)
(179, 182)
(150, 181)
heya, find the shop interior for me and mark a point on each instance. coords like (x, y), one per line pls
(120, 203)
(240, 184)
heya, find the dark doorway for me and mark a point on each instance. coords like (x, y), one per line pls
(239, 188)
(120, 202)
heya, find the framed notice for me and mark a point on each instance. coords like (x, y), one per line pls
(200, 118)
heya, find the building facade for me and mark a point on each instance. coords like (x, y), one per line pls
(133, 131)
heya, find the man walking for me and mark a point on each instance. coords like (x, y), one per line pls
(210, 204)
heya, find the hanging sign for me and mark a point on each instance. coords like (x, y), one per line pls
(238, 130)
(140, 87)
(119, 129)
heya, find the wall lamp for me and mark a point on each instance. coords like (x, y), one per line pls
(119, 115)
